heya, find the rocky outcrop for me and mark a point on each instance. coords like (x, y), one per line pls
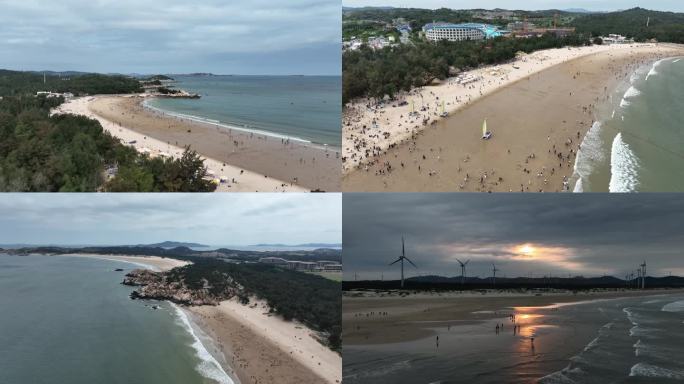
(172, 287)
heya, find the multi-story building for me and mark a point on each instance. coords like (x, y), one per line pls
(460, 32)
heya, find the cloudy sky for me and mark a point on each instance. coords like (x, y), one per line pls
(213, 219)
(592, 5)
(539, 234)
(172, 36)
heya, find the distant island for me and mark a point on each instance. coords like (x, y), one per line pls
(172, 244)
(183, 252)
(305, 245)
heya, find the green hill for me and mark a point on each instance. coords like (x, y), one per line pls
(663, 26)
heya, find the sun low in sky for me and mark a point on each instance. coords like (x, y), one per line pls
(523, 235)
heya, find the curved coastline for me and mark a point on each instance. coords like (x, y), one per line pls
(217, 123)
(209, 366)
(548, 105)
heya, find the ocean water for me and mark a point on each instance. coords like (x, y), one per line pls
(637, 142)
(69, 320)
(631, 340)
(302, 108)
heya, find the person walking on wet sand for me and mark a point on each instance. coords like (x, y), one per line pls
(497, 328)
(437, 341)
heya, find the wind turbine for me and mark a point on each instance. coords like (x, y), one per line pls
(643, 274)
(463, 269)
(401, 259)
(494, 274)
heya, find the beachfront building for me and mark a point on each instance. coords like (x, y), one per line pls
(273, 260)
(460, 32)
(329, 266)
(616, 39)
(308, 266)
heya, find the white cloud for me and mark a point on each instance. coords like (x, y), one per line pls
(176, 30)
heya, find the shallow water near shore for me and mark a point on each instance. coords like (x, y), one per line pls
(638, 139)
(69, 320)
(628, 340)
(303, 108)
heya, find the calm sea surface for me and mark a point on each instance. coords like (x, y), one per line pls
(69, 320)
(306, 108)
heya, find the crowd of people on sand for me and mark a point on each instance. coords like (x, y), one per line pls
(370, 143)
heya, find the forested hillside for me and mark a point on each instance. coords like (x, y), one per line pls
(311, 299)
(13, 83)
(386, 72)
(663, 26)
(68, 153)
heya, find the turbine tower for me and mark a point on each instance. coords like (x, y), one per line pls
(494, 270)
(643, 274)
(401, 259)
(463, 270)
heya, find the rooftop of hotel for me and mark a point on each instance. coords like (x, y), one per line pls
(488, 29)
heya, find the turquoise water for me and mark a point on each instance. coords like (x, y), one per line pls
(69, 320)
(637, 144)
(306, 108)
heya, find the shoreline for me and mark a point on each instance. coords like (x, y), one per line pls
(471, 307)
(260, 346)
(607, 153)
(257, 131)
(244, 180)
(209, 366)
(278, 164)
(543, 101)
(154, 263)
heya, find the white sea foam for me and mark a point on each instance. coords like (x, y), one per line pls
(630, 315)
(592, 344)
(631, 92)
(590, 152)
(650, 370)
(624, 103)
(677, 306)
(653, 71)
(208, 366)
(558, 377)
(624, 167)
(676, 61)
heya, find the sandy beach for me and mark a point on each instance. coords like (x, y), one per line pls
(538, 107)
(154, 263)
(504, 337)
(249, 162)
(266, 349)
(401, 323)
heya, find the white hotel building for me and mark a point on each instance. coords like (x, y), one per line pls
(459, 32)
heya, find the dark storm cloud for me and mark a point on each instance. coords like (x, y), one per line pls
(587, 234)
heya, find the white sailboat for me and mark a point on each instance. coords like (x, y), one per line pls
(486, 135)
(443, 114)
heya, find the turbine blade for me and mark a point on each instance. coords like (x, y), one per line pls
(395, 261)
(409, 260)
(459, 261)
(467, 261)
